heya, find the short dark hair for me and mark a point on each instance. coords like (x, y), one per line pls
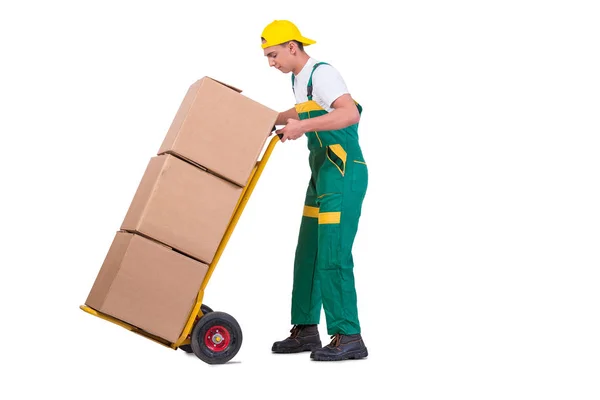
(300, 45)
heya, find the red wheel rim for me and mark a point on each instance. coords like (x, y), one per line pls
(217, 338)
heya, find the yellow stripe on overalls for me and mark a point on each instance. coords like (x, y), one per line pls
(307, 106)
(324, 217)
(329, 217)
(311, 212)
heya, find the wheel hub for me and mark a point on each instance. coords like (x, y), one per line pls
(217, 338)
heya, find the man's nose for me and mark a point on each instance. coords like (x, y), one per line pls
(272, 62)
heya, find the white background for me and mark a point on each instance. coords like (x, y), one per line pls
(477, 257)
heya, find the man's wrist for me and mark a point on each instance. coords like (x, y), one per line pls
(279, 119)
(304, 125)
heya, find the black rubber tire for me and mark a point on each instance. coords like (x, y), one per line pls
(188, 347)
(202, 351)
(205, 309)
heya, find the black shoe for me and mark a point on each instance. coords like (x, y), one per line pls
(342, 347)
(303, 338)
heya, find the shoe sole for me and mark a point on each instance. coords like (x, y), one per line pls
(304, 347)
(355, 355)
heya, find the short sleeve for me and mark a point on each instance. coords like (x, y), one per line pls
(328, 84)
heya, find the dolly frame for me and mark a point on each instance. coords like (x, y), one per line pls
(196, 311)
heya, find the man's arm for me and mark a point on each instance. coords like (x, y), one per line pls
(345, 113)
(283, 117)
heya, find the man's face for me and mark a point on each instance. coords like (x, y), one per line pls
(281, 57)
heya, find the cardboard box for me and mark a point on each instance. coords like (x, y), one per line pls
(182, 206)
(220, 129)
(147, 285)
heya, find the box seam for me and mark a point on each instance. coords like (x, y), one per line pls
(117, 274)
(186, 115)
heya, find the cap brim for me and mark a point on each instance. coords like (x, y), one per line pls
(307, 41)
(303, 40)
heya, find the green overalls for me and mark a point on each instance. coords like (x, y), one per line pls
(323, 268)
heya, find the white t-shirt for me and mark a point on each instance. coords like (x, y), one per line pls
(327, 82)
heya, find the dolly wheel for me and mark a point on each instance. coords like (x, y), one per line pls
(216, 338)
(188, 347)
(205, 309)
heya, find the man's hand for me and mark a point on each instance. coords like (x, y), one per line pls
(292, 131)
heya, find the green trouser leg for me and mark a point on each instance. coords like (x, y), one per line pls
(339, 214)
(323, 267)
(306, 292)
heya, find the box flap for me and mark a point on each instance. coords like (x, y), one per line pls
(224, 84)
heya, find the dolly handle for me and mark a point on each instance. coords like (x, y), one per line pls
(279, 134)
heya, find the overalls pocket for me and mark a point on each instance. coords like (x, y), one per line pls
(332, 168)
(360, 176)
(337, 155)
(329, 236)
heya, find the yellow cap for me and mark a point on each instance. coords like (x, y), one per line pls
(281, 31)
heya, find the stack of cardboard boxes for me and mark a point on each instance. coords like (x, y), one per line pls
(160, 256)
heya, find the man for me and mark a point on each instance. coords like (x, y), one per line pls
(323, 268)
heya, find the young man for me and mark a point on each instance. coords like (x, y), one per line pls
(323, 268)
